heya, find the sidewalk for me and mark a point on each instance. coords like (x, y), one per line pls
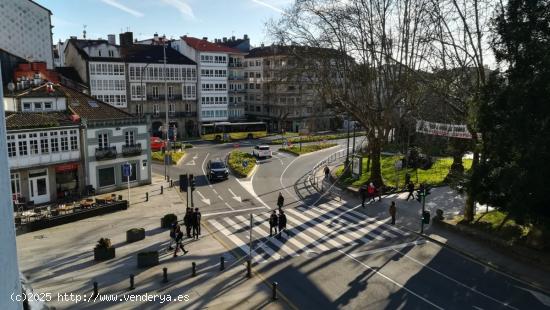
(408, 217)
(60, 260)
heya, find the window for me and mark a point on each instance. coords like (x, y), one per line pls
(156, 109)
(139, 109)
(133, 176)
(103, 141)
(106, 176)
(129, 137)
(47, 105)
(172, 109)
(74, 143)
(64, 144)
(111, 54)
(170, 92)
(155, 91)
(258, 75)
(33, 143)
(27, 106)
(23, 151)
(38, 106)
(12, 150)
(54, 141)
(99, 53)
(44, 149)
(15, 185)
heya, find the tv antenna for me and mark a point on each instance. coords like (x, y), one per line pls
(84, 32)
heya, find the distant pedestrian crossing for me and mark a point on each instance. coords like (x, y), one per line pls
(318, 229)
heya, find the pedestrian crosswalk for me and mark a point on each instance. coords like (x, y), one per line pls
(327, 226)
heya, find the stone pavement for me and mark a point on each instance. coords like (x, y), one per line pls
(451, 202)
(60, 260)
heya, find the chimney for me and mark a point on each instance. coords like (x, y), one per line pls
(262, 45)
(205, 38)
(224, 39)
(125, 39)
(111, 39)
(73, 37)
(245, 37)
(155, 37)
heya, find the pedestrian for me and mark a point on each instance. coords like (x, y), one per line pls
(393, 210)
(371, 191)
(363, 192)
(378, 192)
(187, 221)
(410, 188)
(179, 244)
(273, 223)
(282, 223)
(173, 228)
(407, 179)
(196, 223)
(327, 172)
(280, 201)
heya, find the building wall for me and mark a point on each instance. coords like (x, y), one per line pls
(25, 30)
(108, 82)
(75, 60)
(209, 109)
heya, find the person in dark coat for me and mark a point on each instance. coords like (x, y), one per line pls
(410, 188)
(273, 223)
(280, 201)
(196, 223)
(187, 221)
(327, 172)
(179, 244)
(174, 227)
(363, 192)
(407, 179)
(392, 211)
(282, 223)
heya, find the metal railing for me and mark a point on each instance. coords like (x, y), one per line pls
(105, 153)
(131, 150)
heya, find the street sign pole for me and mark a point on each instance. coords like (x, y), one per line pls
(127, 172)
(423, 208)
(250, 247)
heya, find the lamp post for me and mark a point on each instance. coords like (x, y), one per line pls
(347, 149)
(167, 108)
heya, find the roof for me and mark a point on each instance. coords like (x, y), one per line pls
(280, 50)
(232, 43)
(70, 73)
(205, 46)
(141, 53)
(41, 6)
(28, 120)
(81, 44)
(37, 92)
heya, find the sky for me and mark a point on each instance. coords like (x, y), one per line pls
(174, 18)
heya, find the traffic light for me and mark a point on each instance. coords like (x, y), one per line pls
(419, 195)
(183, 183)
(192, 182)
(426, 217)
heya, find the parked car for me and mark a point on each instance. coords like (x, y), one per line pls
(216, 169)
(157, 144)
(261, 151)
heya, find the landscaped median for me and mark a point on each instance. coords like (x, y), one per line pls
(308, 148)
(235, 163)
(305, 139)
(159, 156)
(392, 177)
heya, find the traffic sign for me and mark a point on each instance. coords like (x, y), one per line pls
(126, 170)
(245, 163)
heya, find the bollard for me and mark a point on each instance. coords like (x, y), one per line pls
(131, 281)
(161, 189)
(222, 263)
(146, 196)
(171, 183)
(193, 269)
(248, 269)
(95, 289)
(164, 274)
(275, 290)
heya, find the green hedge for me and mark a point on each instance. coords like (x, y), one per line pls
(235, 162)
(306, 148)
(305, 139)
(159, 156)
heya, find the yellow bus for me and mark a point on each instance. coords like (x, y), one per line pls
(224, 131)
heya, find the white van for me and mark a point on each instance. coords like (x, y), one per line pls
(261, 151)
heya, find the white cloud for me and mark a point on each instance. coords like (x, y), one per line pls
(122, 7)
(267, 5)
(181, 6)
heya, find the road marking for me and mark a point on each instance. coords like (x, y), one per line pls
(214, 190)
(220, 197)
(267, 249)
(247, 185)
(191, 163)
(391, 280)
(203, 199)
(234, 211)
(280, 246)
(545, 299)
(196, 156)
(229, 206)
(454, 280)
(204, 172)
(388, 248)
(245, 248)
(238, 198)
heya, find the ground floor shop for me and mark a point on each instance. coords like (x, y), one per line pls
(108, 176)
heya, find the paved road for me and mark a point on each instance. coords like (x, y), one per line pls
(339, 256)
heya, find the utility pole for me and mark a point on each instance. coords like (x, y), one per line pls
(167, 126)
(346, 170)
(423, 209)
(354, 138)
(250, 246)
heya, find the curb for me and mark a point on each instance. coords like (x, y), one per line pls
(306, 154)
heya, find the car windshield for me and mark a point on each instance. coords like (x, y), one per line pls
(217, 165)
(264, 148)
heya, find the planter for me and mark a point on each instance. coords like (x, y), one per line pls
(168, 220)
(147, 259)
(135, 234)
(104, 253)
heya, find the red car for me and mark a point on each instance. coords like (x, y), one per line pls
(157, 144)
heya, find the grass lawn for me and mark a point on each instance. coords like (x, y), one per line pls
(315, 138)
(306, 148)
(235, 162)
(176, 156)
(433, 176)
(495, 223)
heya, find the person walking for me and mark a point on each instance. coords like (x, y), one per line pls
(196, 224)
(273, 223)
(187, 221)
(179, 244)
(371, 191)
(327, 172)
(173, 229)
(282, 223)
(280, 201)
(393, 210)
(363, 192)
(407, 179)
(410, 188)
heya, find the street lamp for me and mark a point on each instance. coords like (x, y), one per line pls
(166, 103)
(347, 148)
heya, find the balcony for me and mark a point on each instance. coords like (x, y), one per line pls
(235, 78)
(131, 150)
(105, 153)
(235, 65)
(161, 97)
(162, 114)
